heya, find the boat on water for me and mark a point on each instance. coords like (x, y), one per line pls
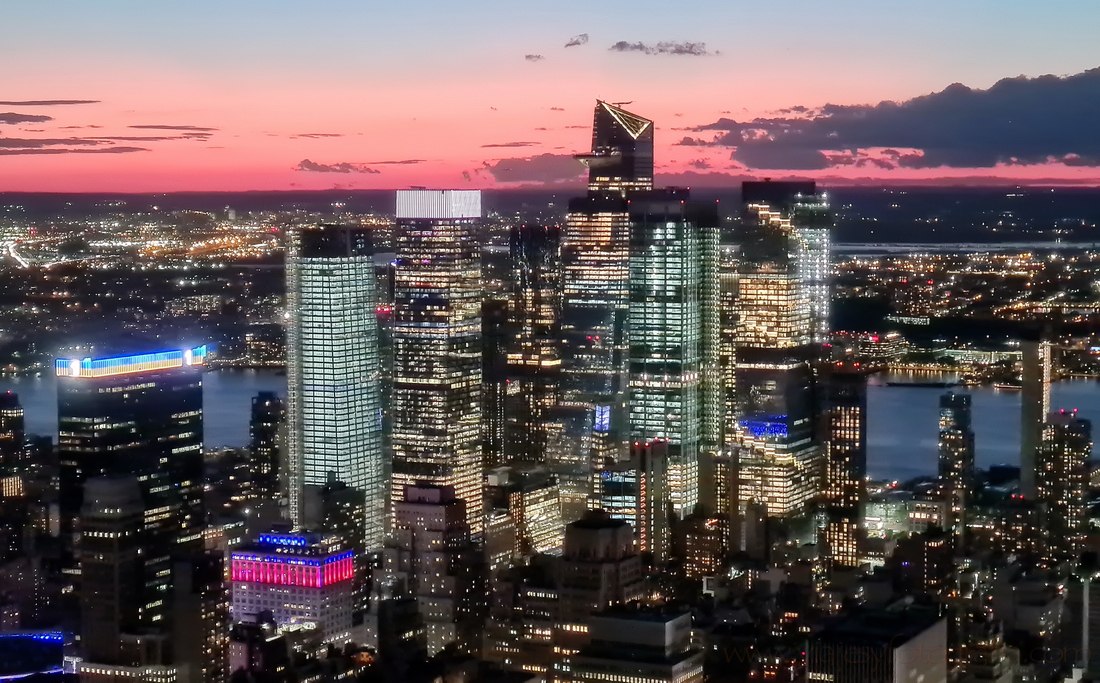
(1007, 386)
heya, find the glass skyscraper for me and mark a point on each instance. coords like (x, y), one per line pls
(845, 463)
(956, 459)
(672, 248)
(334, 398)
(436, 405)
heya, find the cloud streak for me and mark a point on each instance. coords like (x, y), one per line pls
(43, 103)
(665, 47)
(510, 144)
(340, 167)
(534, 58)
(79, 150)
(11, 117)
(161, 126)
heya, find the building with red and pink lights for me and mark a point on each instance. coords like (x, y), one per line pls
(303, 579)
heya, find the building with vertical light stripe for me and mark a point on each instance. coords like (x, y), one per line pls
(334, 409)
(1061, 486)
(845, 464)
(956, 459)
(669, 257)
(436, 404)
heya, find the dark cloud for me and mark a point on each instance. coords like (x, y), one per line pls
(77, 150)
(692, 142)
(11, 117)
(1016, 121)
(42, 103)
(314, 136)
(579, 39)
(557, 108)
(339, 167)
(665, 47)
(466, 176)
(541, 168)
(700, 163)
(511, 144)
(534, 58)
(35, 143)
(78, 127)
(159, 126)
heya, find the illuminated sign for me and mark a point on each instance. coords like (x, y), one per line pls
(127, 365)
(293, 571)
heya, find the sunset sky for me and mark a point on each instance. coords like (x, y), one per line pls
(236, 94)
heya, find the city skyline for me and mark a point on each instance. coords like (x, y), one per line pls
(207, 97)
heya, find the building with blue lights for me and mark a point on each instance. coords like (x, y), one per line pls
(137, 416)
(334, 374)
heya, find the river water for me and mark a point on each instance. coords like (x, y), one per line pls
(901, 430)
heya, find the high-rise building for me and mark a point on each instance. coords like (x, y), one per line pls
(635, 491)
(956, 459)
(265, 430)
(639, 645)
(201, 616)
(496, 335)
(845, 463)
(672, 330)
(1035, 406)
(334, 402)
(437, 347)
(1061, 482)
(531, 497)
(595, 259)
(534, 356)
(12, 434)
(139, 416)
(622, 150)
(300, 578)
(429, 556)
(782, 259)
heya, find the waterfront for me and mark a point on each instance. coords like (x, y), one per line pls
(901, 431)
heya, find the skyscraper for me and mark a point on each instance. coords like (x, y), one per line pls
(956, 459)
(138, 416)
(672, 249)
(534, 356)
(845, 463)
(333, 373)
(264, 435)
(595, 258)
(1061, 481)
(622, 150)
(12, 434)
(1035, 406)
(437, 346)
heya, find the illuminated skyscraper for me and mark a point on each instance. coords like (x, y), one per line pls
(534, 357)
(774, 405)
(672, 247)
(333, 372)
(12, 434)
(1061, 481)
(622, 150)
(956, 468)
(437, 346)
(595, 256)
(265, 429)
(845, 463)
(1034, 407)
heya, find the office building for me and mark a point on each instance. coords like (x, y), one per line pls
(956, 460)
(12, 432)
(334, 402)
(430, 557)
(635, 491)
(265, 438)
(201, 620)
(1061, 484)
(1035, 406)
(621, 159)
(776, 357)
(672, 329)
(639, 645)
(436, 409)
(496, 335)
(845, 464)
(301, 578)
(260, 650)
(531, 497)
(534, 356)
(885, 646)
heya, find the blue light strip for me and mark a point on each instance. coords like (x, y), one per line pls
(121, 365)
